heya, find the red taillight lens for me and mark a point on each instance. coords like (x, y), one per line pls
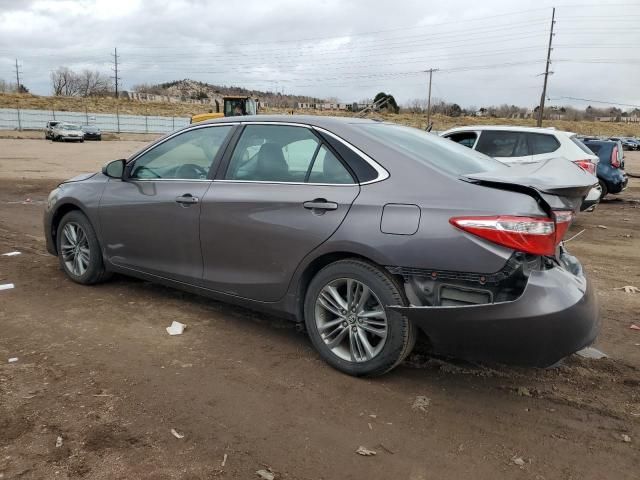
(615, 161)
(587, 165)
(534, 235)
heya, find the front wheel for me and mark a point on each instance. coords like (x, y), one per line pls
(348, 323)
(79, 251)
(603, 189)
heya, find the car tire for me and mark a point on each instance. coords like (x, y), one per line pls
(399, 333)
(603, 189)
(79, 251)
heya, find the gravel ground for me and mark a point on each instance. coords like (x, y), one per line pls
(98, 376)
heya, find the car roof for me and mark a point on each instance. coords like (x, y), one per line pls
(508, 128)
(315, 120)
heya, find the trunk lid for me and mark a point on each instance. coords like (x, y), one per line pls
(557, 182)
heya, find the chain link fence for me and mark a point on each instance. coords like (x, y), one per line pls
(19, 119)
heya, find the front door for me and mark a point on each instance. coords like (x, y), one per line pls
(150, 220)
(283, 193)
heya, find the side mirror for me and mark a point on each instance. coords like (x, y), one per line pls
(115, 168)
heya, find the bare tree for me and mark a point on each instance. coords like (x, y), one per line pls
(4, 86)
(93, 83)
(64, 82)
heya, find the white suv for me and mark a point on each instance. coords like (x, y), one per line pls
(511, 145)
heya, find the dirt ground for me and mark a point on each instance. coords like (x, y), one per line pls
(98, 375)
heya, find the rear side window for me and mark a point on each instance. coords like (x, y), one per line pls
(278, 153)
(497, 143)
(594, 147)
(430, 149)
(542, 143)
(468, 139)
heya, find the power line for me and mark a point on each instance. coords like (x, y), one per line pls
(597, 101)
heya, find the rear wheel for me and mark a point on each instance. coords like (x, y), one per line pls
(79, 251)
(603, 188)
(348, 323)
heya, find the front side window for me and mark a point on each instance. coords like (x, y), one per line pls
(468, 139)
(186, 156)
(280, 153)
(496, 143)
(542, 143)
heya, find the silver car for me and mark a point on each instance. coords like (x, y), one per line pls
(67, 131)
(364, 232)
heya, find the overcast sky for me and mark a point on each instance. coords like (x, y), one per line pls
(487, 52)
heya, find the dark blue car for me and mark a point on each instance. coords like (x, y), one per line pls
(610, 172)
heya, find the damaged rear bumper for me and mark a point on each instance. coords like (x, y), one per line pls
(556, 315)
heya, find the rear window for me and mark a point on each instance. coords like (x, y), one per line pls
(468, 139)
(503, 144)
(582, 146)
(427, 148)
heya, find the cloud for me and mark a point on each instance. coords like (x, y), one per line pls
(487, 52)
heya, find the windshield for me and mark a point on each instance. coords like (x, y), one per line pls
(70, 126)
(441, 153)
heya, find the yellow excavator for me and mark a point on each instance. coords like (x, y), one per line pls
(233, 106)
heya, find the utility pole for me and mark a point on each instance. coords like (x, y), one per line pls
(115, 69)
(546, 71)
(430, 71)
(17, 76)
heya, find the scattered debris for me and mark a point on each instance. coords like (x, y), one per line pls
(592, 353)
(626, 288)
(373, 416)
(176, 328)
(626, 438)
(388, 450)
(575, 236)
(13, 359)
(523, 391)
(518, 461)
(58, 441)
(11, 254)
(175, 433)
(265, 474)
(634, 327)
(370, 426)
(224, 460)
(602, 226)
(7, 286)
(365, 452)
(421, 403)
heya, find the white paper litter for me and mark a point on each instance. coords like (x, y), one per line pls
(176, 328)
(58, 442)
(13, 359)
(365, 452)
(175, 433)
(592, 353)
(7, 286)
(265, 474)
(10, 254)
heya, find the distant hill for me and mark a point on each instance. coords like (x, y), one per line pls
(193, 89)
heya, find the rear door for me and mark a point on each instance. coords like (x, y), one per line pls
(279, 194)
(504, 145)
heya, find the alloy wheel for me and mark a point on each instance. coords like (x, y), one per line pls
(74, 246)
(351, 320)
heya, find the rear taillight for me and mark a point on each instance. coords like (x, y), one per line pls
(534, 235)
(615, 161)
(587, 165)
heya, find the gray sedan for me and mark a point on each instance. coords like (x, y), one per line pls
(365, 232)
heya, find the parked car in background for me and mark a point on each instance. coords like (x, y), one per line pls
(67, 131)
(627, 143)
(91, 132)
(368, 231)
(611, 174)
(518, 145)
(48, 130)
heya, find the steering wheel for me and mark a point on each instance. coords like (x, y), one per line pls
(191, 170)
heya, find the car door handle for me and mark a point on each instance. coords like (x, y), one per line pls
(320, 204)
(187, 199)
